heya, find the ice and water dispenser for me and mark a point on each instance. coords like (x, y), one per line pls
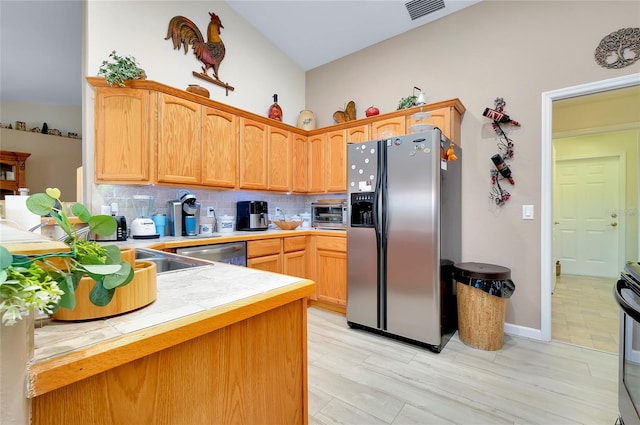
(362, 209)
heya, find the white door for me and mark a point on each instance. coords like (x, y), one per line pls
(587, 215)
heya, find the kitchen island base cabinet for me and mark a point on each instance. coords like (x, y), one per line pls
(250, 372)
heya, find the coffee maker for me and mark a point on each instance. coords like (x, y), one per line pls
(178, 209)
(252, 215)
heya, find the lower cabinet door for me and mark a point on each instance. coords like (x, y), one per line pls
(295, 264)
(332, 277)
(268, 263)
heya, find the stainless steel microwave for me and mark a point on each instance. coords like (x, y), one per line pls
(329, 215)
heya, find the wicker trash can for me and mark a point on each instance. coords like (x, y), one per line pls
(482, 291)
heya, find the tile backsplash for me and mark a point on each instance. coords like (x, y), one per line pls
(222, 201)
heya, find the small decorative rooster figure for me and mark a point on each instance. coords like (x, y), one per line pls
(184, 33)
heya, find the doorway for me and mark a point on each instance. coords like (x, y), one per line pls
(547, 206)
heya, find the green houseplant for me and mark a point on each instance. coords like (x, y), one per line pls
(47, 281)
(117, 69)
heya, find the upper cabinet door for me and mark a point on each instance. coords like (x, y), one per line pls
(279, 164)
(299, 164)
(253, 154)
(179, 140)
(316, 163)
(336, 161)
(358, 134)
(388, 128)
(219, 149)
(122, 145)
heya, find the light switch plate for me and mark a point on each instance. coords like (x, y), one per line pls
(527, 212)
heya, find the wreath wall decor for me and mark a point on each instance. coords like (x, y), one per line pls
(619, 49)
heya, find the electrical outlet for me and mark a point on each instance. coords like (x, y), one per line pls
(278, 211)
(210, 212)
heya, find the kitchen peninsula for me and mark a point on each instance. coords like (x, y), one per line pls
(221, 344)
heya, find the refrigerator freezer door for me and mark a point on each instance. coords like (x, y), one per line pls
(362, 243)
(412, 255)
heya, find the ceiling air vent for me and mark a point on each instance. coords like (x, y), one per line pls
(419, 8)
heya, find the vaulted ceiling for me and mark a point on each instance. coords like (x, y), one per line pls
(41, 40)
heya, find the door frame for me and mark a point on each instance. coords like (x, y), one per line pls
(547, 265)
(620, 157)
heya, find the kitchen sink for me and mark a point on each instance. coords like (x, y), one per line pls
(167, 262)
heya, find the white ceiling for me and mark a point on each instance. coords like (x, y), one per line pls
(325, 30)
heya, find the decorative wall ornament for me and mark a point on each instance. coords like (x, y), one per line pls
(184, 33)
(619, 49)
(349, 113)
(505, 147)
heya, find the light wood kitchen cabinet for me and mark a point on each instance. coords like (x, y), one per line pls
(253, 149)
(219, 148)
(395, 126)
(358, 134)
(316, 163)
(331, 271)
(294, 256)
(336, 161)
(12, 172)
(148, 133)
(447, 119)
(179, 140)
(265, 254)
(300, 164)
(123, 145)
(279, 160)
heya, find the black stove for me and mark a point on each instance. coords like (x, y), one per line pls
(627, 294)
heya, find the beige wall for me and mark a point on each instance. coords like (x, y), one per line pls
(511, 49)
(53, 161)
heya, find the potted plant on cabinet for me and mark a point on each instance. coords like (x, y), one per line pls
(49, 281)
(117, 69)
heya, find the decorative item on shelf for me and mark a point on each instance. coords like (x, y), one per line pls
(72, 135)
(619, 49)
(287, 225)
(372, 111)
(505, 146)
(349, 113)
(117, 69)
(413, 100)
(21, 125)
(199, 90)
(54, 132)
(275, 111)
(184, 33)
(49, 281)
(36, 130)
(9, 126)
(45, 128)
(421, 115)
(306, 120)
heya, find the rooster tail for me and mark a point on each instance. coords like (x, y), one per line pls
(183, 32)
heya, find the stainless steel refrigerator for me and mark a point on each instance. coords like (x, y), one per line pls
(403, 237)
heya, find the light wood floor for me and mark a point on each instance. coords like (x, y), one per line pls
(584, 312)
(356, 377)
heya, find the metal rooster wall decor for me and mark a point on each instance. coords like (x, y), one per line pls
(184, 33)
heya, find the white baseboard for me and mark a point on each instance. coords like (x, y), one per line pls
(522, 331)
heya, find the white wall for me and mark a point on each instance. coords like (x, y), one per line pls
(511, 49)
(252, 65)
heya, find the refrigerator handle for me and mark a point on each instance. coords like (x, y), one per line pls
(376, 207)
